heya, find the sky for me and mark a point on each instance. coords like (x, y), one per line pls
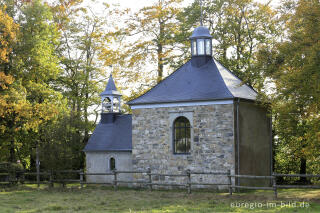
(137, 4)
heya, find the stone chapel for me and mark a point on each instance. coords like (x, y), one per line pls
(201, 117)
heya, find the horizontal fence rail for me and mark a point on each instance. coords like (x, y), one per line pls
(108, 173)
(79, 176)
(298, 186)
(252, 176)
(296, 175)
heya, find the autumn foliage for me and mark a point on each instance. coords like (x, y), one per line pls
(55, 59)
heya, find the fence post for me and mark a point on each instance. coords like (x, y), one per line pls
(274, 185)
(11, 177)
(189, 181)
(230, 182)
(81, 178)
(22, 177)
(115, 179)
(61, 179)
(38, 165)
(150, 178)
(51, 179)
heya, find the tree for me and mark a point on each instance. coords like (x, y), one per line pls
(13, 107)
(149, 43)
(32, 101)
(83, 76)
(9, 30)
(294, 67)
(239, 28)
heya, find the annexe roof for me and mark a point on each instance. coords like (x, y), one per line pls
(189, 83)
(112, 136)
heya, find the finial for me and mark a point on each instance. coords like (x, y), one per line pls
(201, 13)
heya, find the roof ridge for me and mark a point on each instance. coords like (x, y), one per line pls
(220, 76)
(233, 76)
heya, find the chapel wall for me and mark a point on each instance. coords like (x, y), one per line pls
(255, 143)
(99, 162)
(212, 144)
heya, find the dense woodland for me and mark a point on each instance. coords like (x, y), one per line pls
(55, 59)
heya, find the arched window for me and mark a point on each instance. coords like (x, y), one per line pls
(112, 164)
(181, 136)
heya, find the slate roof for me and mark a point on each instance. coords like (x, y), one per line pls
(111, 136)
(111, 88)
(201, 32)
(189, 83)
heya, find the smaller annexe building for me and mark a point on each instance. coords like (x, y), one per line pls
(110, 145)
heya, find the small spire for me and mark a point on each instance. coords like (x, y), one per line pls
(111, 88)
(111, 98)
(111, 85)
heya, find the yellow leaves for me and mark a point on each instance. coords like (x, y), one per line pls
(5, 80)
(8, 34)
(148, 39)
(45, 111)
(13, 110)
(19, 112)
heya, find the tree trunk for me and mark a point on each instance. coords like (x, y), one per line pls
(32, 159)
(86, 101)
(160, 64)
(12, 151)
(160, 51)
(303, 169)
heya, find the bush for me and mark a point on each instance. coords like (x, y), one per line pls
(13, 169)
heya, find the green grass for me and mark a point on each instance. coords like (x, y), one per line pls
(104, 199)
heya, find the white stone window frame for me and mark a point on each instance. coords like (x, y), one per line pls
(173, 115)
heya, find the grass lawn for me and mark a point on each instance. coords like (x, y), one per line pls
(104, 199)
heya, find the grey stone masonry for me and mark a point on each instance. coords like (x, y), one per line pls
(212, 142)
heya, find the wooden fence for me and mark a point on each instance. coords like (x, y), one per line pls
(52, 177)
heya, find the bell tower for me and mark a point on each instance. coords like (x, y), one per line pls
(201, 42)
(110, 98)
